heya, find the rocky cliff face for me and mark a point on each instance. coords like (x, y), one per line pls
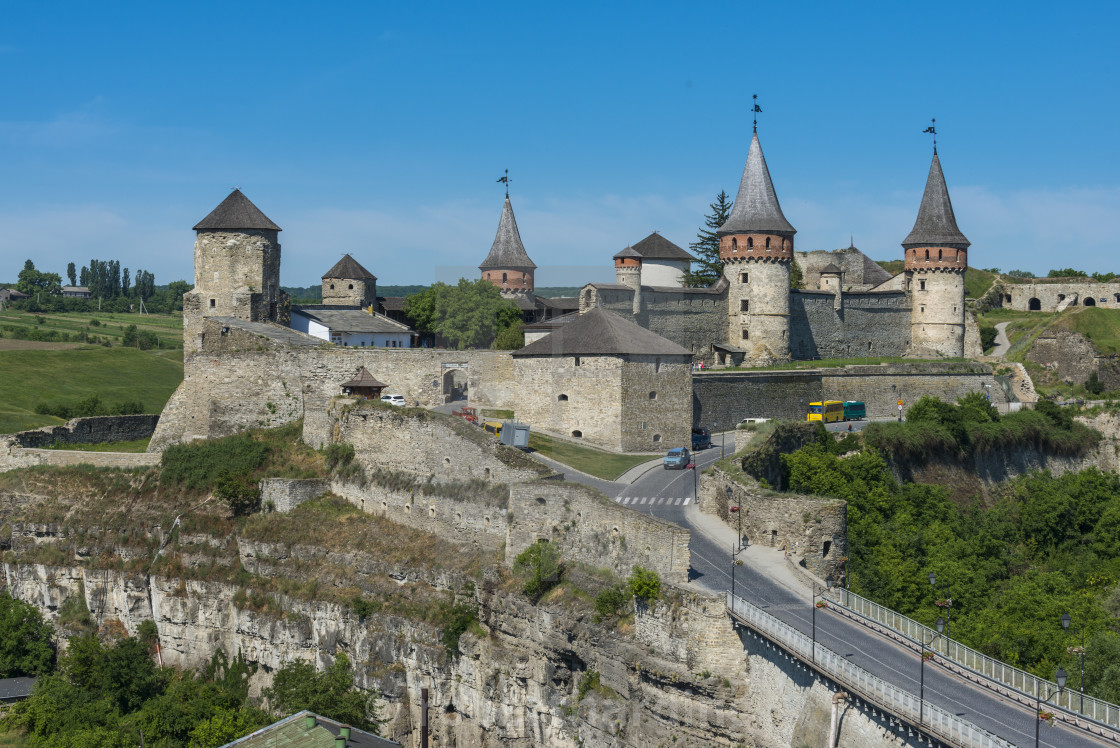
(532, 675)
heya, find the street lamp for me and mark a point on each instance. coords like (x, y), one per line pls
(922, 677)
(1059, 676)
(1066, 620)
(948, 602)
(739, 536)
(817, 594)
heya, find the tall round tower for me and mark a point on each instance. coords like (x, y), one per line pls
(236, 269)
(936, 258)
(756, 247)
(628, 272)
(508, 265)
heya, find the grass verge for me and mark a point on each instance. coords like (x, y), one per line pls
(605, 465)
(136, 445)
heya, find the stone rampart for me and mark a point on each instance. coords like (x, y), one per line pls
(814, 528)
(285, 494)
(589, 528)
(725, 399)
(425, 443)
(94, 430)
(1047, 297)
(478, 520)
(13, 457)
(866, 324)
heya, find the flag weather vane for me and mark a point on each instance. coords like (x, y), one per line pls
(756, 109)
(505, 180)
(932, 131)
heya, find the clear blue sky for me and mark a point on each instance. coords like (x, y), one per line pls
(379, 129)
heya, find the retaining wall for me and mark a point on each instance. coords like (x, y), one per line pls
(285, 494)
(94, 430)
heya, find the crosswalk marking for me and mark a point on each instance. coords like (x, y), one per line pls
(631, 500)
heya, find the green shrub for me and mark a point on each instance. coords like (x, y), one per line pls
(987, 337)
(458, 619)
(243, 496)
(362, 608)
(611, 603)
(539, 568)
(645, 584)
(1094, 385)
(338, 455)
(199, 464)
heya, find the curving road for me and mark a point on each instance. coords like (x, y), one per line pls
(763, 581)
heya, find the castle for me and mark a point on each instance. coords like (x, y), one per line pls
(752, 316)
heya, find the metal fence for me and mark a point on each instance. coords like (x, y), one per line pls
(1020, 680)
(937, 722)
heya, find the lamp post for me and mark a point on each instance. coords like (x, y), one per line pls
(1066, 620)
(922, 677)
(948, 603)
(1059, 676)
(739, 535)
(817, 594)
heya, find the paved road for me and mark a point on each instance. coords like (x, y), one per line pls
(1002, 341)
(670, 495)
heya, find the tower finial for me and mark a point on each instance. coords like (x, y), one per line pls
(756, 109)
(932, 131)
(505, 179)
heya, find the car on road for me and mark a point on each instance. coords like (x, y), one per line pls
(397, 400)
(701, 438)
(677, 458)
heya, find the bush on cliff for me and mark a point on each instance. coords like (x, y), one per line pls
(26, 648)
(199, 464)
(644, 584)
(539, 567)
(331, 693)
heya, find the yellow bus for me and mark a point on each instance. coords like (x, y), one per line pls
(493, 427)
(829, 411)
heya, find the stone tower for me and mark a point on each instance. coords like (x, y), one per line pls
(628, 272)
(756, 247)
(508, 265)
(349, 284)
(236, 269)
(936, 258)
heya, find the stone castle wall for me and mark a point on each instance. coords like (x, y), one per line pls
(1050, 295)
(94, 430)
(656, 404)
(14, 457)
(591, 529)
(727, 398)
(427, 444)
(285, 494)
(814, 529)
(866, 324)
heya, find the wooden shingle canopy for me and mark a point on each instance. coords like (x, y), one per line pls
(363, 385)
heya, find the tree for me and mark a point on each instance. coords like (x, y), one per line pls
(32, 281)
(131, 337)
(539, 568)
(466, 315)
(1067, 273)
(224, 727)
(125, 282)
(510, 338)
(796, 276)
(1020, 274)
(331, 693)
(1104, 277)
(708, 267)
(72, 274)
(25, 640)
(645, 584)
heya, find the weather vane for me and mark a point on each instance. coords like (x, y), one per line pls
(756, 109)
(505, 180)
(932, 131)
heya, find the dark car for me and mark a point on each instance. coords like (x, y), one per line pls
(701, 438)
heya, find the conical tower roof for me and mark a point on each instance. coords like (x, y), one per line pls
(350, 269)
(236, 212)
(507, 251)
(756, 209)
(936, 225)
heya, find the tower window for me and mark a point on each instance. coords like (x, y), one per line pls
(744, 278)
(927, 254)
(734, 244)
(562, 398)
(746, 334)
(653, 396)
(351, 287)
(332, 286)
(767, 244)
(922, 285)
(744, 305)
(922, 309)
(576, 360)
(939, 252)
(211, 303)
(504, 279)
(750, 242)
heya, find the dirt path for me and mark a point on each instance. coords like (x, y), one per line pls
(1002, 342)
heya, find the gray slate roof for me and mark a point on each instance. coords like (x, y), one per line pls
(363, 379)
(756, 209)
(350, 269)
(507, 251)
(628, 252)
(657, 247)
(16, 688)
(270, 330)
(936, 225)
(351, 320)
(830, 268)
(236, 212)
(598, 333)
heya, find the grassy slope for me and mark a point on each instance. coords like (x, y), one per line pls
(606, 465)
(167, 327)
(1102, 326)
(114, 374)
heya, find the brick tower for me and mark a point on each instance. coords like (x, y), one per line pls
(628, 272)
(508, 265)
(936, 258)
(236, 269)
(756, 247)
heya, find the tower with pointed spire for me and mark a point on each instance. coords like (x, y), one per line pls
(936, 258)
(508, 265)
(236, 269)
(756, 247)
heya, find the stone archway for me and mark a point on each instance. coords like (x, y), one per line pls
(1034, 305)
(1089, 301)
(455, 385)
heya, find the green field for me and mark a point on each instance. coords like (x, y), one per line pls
(29, 377)
(605, 465)
(168, 328)
(1102, 326)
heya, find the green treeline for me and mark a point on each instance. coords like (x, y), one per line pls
(90, 406)
(113, 695)
(1041, 547)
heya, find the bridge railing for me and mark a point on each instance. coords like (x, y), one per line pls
(1020, 680)
(944, 725)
